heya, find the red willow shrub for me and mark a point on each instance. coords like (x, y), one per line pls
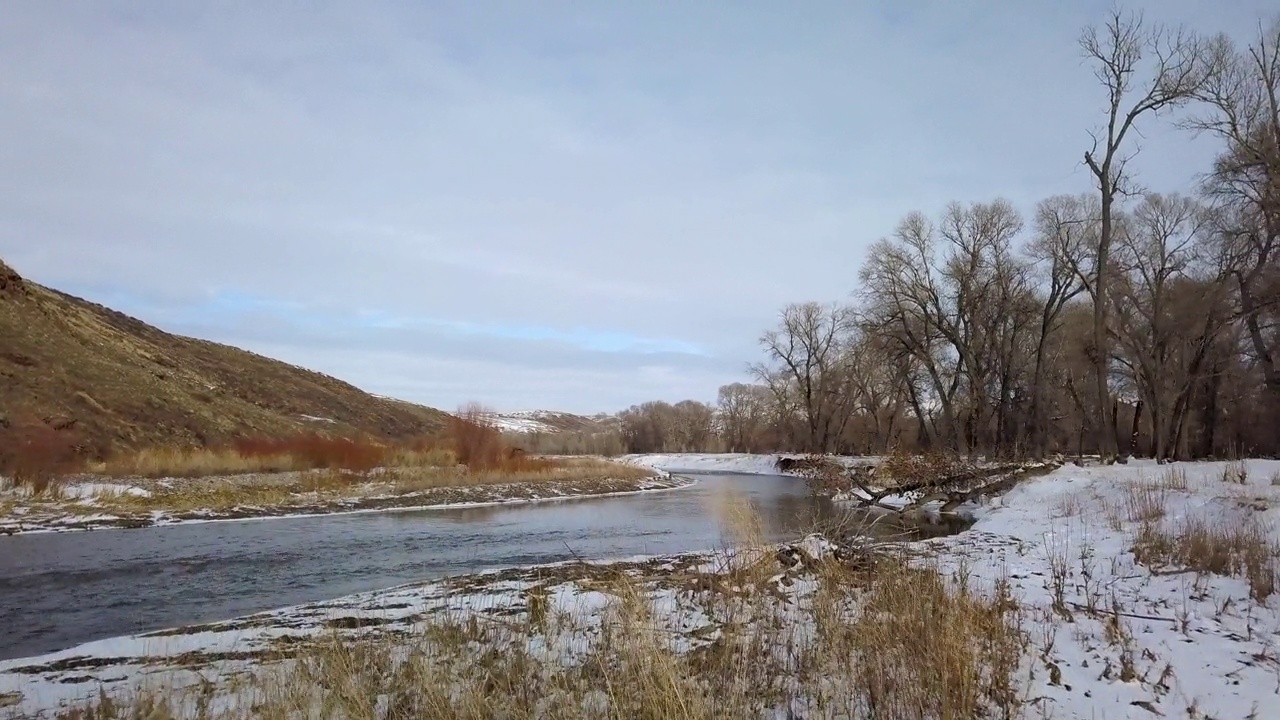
(317, 451)
(36, 455)
(476, 442)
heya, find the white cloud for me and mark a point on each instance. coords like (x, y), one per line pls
(671, 174)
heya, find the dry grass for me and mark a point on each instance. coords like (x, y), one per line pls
(1242, 549)
(1236, 473)
(1145, 502)
(900, 643)
(266, 455)
(468, 442)
(1175, 478)
(315, 489)
(527, 470)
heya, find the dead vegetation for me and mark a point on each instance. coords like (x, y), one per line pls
(324, 472)
(1242, 549)
(121, 384)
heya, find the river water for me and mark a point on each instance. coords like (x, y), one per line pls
(59, 590)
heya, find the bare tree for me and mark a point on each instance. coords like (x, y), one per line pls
(691, 426)
(805, 353)
(742, 413)
(1066, 226)
(1242, 97)
(954, 298)
(1144, 71)
(1169, 307)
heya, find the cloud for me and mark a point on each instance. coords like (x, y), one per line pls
(558, 205)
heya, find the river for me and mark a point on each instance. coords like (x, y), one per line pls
(60, 590)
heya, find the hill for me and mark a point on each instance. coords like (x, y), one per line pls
(118, 382)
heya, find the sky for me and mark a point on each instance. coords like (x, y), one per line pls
(552, 205)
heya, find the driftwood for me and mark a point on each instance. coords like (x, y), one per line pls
(953, 489)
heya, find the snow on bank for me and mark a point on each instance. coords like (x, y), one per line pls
(1115, 638)
(89, 491)
(737, 463)
(28, 517)
(181, 658)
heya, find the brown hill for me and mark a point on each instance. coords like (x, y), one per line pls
(118, 382)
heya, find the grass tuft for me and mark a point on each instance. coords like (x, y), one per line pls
(1242, 549)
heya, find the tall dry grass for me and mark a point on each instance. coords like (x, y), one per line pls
(1243, 548)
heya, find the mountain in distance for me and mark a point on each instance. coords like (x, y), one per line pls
(551, 422)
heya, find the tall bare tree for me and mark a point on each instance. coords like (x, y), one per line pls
(806, 353)
(742, 413)
(1066, 227)
(1144, 70)
(1242, 97)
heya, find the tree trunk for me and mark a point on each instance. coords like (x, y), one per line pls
(1101, 342)
(1133, 428)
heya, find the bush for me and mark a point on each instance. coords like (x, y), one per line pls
(477, 444)
(317, 451)
(35, 455)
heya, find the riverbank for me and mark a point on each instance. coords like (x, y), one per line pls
(736, 463)
(1120, 591)
(96, 504)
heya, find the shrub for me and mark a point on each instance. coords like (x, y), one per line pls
(476, 442)
(36, 456)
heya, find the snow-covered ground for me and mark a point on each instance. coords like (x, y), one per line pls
(1115, 638)
(738, 463)
(542, 421)
(519, 422)
(1107, 636)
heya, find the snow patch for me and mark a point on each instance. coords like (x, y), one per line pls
(736, 463)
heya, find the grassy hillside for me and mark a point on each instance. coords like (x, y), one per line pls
(117, 382)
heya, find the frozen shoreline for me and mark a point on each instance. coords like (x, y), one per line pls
(78, 517)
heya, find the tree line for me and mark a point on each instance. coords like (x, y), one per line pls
(1115, 321)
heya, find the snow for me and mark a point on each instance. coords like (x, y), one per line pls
(88, 491)
(741, 463)
(1193, 641)
(517, 423)
(735, 463)
(316, 418)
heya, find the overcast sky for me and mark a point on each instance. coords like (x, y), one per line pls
(572, 206)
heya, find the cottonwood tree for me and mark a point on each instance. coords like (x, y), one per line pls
(742, 415)
(955, 299)
(1169, 308)
(1241, 97)
(1066, 226)
(1144, 70)
(806, 361)
(691, 428)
